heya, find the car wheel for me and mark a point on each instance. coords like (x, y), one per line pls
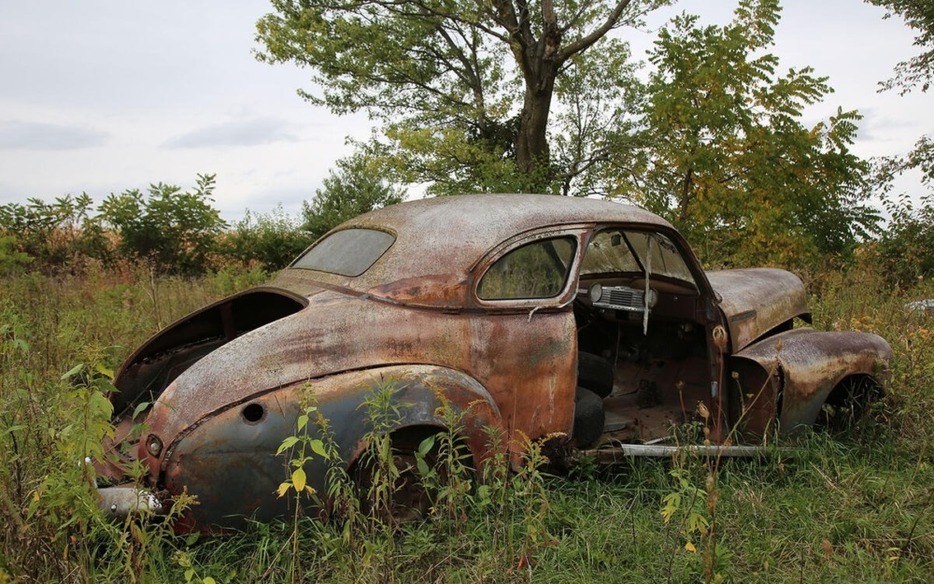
(848, 404)
(408, 498)
(401, 500)
(595, 373)
(589, 417)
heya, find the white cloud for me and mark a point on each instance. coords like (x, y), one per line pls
(20, 135)
(249, 132)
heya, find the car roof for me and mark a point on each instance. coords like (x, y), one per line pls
(446, 236)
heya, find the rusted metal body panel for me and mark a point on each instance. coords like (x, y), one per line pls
(757, 300)
(807, 365)
(171, 351)
(526, 368)
(753, 389)
(515, 359)
(232, 447)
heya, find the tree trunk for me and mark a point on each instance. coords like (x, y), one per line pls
(532, 152)
(539, 65)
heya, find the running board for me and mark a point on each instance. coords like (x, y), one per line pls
(620, 452)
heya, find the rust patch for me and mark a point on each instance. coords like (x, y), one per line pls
(757, 300)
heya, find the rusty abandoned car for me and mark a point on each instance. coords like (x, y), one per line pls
(535, 315)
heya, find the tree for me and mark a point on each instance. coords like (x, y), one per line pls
(176, 229)
(906, 248)
(725, 156)
(464, 89)
(919, 15)
(355, 188)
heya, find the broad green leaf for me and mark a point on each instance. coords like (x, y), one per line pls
(140, 409)
(289, 442)
(426, 445)
(73, 371)
(106, 372)
(317, 446)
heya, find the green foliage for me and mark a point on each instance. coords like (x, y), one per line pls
(918, 15)
(11, 259)
(51, 424)
(906, 248)
(356, 187)
(50, 235)
(270, 241)
(727, 158)
(596, 126)
(175, 229)
(464, 90)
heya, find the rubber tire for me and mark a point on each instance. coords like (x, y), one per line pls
(589, 417)
(595, 373)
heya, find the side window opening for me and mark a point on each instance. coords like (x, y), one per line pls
(536, 270)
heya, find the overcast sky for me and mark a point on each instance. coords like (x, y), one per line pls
(101, 96)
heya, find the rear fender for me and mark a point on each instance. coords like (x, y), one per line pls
(235, 446)
(420, 392)
(792, 373)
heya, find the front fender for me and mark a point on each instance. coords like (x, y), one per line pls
(799, 368)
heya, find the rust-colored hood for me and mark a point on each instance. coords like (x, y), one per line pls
(756, 300)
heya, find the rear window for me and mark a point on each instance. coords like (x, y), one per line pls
(348, 252)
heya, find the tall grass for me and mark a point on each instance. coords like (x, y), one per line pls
(852, 507)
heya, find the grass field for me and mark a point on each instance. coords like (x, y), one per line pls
(856, 507)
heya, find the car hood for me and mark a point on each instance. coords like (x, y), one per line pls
(757, 300)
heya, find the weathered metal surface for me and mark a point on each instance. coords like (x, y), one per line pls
(440, 240)
(752, 392)
(528, 366)
(756, 300)
(227, 459)
(811, 363)
(125, 500)
(172, 350)
(921, 305)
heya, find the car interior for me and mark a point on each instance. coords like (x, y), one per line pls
(638, 310)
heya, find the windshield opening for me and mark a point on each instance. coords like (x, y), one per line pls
(613, 251)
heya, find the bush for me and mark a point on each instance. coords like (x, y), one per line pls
(907, 247)
(271, 240)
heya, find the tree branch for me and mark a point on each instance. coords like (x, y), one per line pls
(585, 42)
